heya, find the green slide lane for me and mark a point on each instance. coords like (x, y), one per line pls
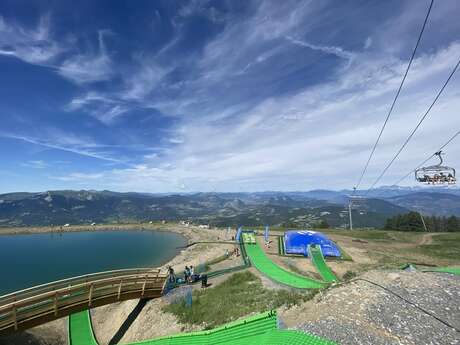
(255, 330)
(276, 273)
(80, 329)
(285, 337)
(452, 270)
(318, 260)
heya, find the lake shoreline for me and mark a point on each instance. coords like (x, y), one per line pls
(173, 227)
(190, 233)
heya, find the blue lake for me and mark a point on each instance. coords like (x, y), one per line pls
(32, 259)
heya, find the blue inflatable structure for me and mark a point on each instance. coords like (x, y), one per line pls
(297, 242)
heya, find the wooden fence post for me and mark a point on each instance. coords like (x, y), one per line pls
(55, 304)
(15, 319)
(143, 285)
(119, 288)
(90, 294)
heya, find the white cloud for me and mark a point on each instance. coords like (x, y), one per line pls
(319, 137)
(141, 83)
(314, 134)
(34, 46)
(337, 51)
(88, 67)
(35, 164)
(55, 139)
(80, 177)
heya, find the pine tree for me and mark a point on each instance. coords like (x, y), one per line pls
(452, 224)
(323, 224)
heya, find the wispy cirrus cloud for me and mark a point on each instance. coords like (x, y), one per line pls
(265, 95)
(35, 164)
(80, 177)
(35, 46)
(38, 46)
(103, 106)
(89, 67)
(66, 142)
(337, 51)
(292, 141)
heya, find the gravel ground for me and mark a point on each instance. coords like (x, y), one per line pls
(362, 313)
(52, 333)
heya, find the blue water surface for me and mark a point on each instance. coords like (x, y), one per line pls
(30, 259)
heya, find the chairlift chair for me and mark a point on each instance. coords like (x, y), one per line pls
(436, 174)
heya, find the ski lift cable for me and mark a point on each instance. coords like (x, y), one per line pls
(426, 160)
(416, 128)
(395, 98)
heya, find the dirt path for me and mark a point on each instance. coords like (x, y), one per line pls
(425, 239)
(428, 238)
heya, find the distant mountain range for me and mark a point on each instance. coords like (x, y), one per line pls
(300, 209)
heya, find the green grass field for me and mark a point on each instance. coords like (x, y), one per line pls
(240, 295)
(445, 246)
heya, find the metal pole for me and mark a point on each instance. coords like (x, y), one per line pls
(423, 221)
(349, 214)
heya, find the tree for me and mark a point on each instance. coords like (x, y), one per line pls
(323, 224)
(452, 224)
(412, 221)
(390, 224)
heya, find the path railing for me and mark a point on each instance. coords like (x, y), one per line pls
(40, 304)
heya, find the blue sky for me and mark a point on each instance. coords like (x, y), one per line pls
(161, 96)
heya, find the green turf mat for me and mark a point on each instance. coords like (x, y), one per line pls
(318, 260)
(276, 273)
(255, 330)
(452, 270)
(80, 330)
(284, 337)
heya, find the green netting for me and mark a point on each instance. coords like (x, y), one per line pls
(318, 260)
(80, 330)
(276, 273)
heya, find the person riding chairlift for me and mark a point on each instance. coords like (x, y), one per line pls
(442, 177)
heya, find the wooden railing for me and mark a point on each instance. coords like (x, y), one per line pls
(37, 305)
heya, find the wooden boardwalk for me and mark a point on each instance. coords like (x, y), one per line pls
(37, 305)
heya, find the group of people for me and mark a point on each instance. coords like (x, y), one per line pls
(437, 178)
(189, 276)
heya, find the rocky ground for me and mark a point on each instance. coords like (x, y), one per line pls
(363, 313)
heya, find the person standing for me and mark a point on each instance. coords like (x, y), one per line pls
(172, 276)
(187, 274)
(191, 273)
